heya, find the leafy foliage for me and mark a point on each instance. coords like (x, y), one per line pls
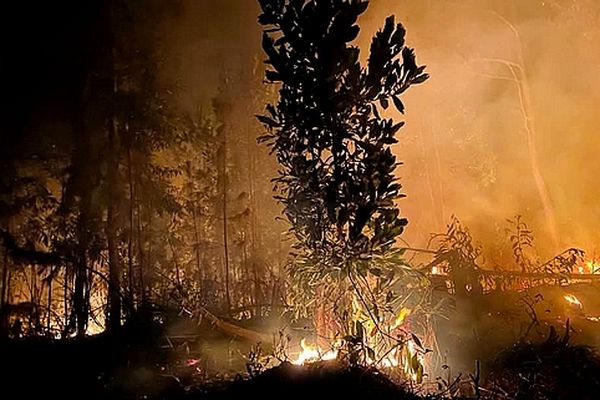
(458, 255)
(337, 178)
(521, 238)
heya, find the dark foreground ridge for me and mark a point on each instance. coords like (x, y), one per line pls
(322, 380)
(132, 366)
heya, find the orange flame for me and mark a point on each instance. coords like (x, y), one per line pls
(589, 267)
(573, 301)
(312, 353)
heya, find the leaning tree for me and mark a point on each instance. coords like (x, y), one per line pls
(333, 143)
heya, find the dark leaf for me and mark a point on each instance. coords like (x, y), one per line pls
(398, 104)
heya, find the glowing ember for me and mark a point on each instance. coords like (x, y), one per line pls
(190, 362)
(589, 267)
(406, 358)
(593, 319)
(593, 266)
(573, 301)
(311, 353)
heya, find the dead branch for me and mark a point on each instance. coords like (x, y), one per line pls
(233, 330)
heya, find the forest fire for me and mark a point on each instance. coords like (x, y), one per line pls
(573, 301)
(399, 359)
(312, 353)
(590, 267)
(273, 199)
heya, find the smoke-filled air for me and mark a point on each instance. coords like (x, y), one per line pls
(206, 199)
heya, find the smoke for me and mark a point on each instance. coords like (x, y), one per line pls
(206, 40)
(464, 147)
(465, 144)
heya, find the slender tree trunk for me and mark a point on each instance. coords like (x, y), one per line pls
(80, 298)
(114, 286)
(141, 255)
(519, 77)
(222, 108)
(131, 224)
(84, 174)
(226, 244)
(4, 297)
(66, 304)
(250, 146)
(175, 262)
(78, 320)
(224, 198)
(197, 244)
(538, 177)
(49, 308)
(79, 306)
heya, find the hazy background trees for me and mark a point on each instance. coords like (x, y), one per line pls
(114, 199)
(468, 157)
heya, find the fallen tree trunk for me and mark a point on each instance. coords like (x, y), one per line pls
(232, 330)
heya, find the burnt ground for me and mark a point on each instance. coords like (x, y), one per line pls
(128, 368)
(136, 365)
(121, 368)
(323, 380)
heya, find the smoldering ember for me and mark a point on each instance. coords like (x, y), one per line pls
(300, 199)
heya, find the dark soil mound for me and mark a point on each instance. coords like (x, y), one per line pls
(323, 380)
(554, 369)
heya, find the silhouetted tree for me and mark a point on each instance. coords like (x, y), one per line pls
(337, 180)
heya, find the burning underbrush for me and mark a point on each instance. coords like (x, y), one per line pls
(448, 326)
(553, 368)
(148, 361)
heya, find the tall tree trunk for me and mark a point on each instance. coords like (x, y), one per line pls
(80, 294)
(79, 306)
(224, 188)
(4, 297)
(175, 262)
(519, 77)
(66, 304)
(226, 243)
(141, 255)
(114, 286)
(130, 184)
(78, 318)
(49, 308)
(197, 245)
(250, 146)
(222, 107)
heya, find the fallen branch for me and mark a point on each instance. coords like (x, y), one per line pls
(233, 330)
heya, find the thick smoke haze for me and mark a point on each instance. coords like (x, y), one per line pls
(465, 144)
(464, 147)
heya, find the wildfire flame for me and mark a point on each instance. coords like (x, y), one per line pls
(589, 267)
(406, 357)
(403, 358)
(190, 362)
(573, 301)
(312, 353)
(593, 266)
